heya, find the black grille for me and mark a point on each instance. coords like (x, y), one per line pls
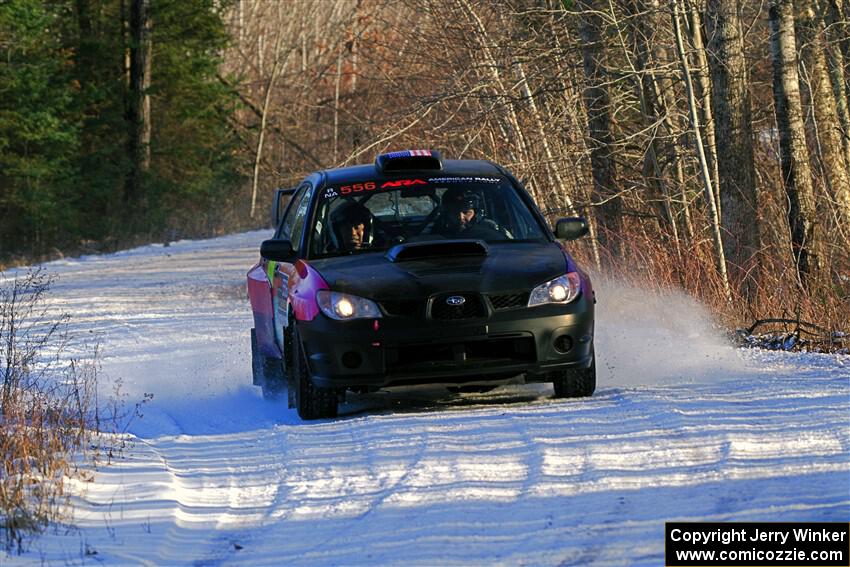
(481, 354)
(471, 308)
(509, 300)
(411, 309)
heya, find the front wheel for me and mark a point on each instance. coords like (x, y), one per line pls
(575, 382)
(312, 401)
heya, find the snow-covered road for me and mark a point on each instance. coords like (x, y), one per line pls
(682, 427)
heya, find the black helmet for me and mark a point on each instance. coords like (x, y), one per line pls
(350, 212)
(460, 200)
(346, 215)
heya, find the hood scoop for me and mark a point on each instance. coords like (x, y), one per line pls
(442, 248)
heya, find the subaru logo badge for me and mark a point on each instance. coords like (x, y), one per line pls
(456, 300)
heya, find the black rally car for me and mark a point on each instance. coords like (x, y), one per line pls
(416, 270)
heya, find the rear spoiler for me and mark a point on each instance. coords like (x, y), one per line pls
(278, 204)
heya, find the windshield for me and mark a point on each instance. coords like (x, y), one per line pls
(376, 215)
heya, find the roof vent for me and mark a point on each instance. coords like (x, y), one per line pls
(440, 248)
(409, 160)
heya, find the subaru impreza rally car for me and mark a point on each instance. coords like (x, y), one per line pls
(417, 270)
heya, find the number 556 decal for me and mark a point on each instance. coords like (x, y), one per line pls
(371, 186)
(357, 188)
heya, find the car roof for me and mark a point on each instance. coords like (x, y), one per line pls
(452, 167)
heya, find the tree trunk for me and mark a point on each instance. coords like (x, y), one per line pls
(336, 105)
(556, 182)
(480, 33)
(703, 84)
(264, 113)
(806, 237)
(733, 125)
(843, 32)
(824, 114)
(720, 257)
(605, 190)
(139, 107)
(666, 97)
(125, 55)
(86, 67)
(574, 121)
(84, 55)
(837, 61)
(643, 32)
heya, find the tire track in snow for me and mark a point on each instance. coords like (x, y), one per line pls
(388, 483)
(511, 477)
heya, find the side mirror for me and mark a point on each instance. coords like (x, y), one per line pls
(277, 250)
(279, 204)
(571, 228)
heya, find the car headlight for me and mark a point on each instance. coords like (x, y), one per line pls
(562, 289)
(344, 307)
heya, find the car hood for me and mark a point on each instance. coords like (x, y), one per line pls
(507, 267)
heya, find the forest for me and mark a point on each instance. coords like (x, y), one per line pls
(707, 141)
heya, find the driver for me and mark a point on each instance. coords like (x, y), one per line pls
(461, 217)
(352, 226)
(459, 211)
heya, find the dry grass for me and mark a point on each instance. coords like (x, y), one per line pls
(775, 292)
(48, 411)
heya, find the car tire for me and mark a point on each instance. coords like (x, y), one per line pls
(575, 382)
(313, 402)
(267, 372)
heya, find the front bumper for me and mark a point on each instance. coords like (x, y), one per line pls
(402, 350)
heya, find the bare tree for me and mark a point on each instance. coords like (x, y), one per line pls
(733, 124)
(479, 32)
(806, 235)
(556, 183)
(643, 35)
(825, 115)
(720, 257)
(261, 136)
(839, 12)
(597, 99)
(583, 104)
(665, 95)
(837, 41)
(702, 72)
